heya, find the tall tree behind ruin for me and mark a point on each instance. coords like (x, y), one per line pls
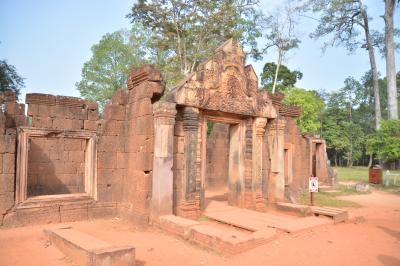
(344, 19)
(390, 6)
(280, 34)
(190, 31)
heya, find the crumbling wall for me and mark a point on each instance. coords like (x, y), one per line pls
(11, 116)
(145, 86)
(111, 150)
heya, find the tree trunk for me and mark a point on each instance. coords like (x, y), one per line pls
(336, 159)
(374, 71)
(390, 60)
(370, 161)
(278, 65)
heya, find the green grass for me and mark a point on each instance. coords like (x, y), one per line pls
(360, 174)
(357, 173)
(326, 199)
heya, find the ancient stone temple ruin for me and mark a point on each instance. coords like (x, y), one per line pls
(214, 136)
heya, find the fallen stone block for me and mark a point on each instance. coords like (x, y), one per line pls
(85, 249)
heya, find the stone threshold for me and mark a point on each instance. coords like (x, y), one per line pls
(213, 237)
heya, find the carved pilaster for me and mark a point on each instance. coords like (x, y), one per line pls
(258, 136)
(276, 139)
(190, 127)
(162, 185)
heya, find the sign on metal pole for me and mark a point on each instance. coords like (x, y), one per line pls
(313, 184)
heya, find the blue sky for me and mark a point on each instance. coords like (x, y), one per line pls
(48, 42)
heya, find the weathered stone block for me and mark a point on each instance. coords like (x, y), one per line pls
(13, 108)
(145, 125)
(106, 159)
(77, 156)
(77, 124)
(116, 112)
(7, 182)
(6, 201)
(44, 122)
(7, 143)
(9, 163)
(44, 110)
(72, 144)
(89, 125)
(93, 115)
(120, 97)
(122, 160)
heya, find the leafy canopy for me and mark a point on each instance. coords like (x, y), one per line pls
(311, 107)
(112, 58)
(9, 78)
(385, 142)
(285, 77)
(189, 31)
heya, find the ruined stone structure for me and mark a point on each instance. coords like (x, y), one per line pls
(148, 155)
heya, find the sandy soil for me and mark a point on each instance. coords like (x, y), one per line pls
(372, 237)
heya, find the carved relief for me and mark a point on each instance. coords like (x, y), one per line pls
(225, 84)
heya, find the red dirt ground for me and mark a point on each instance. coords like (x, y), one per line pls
(372, 237)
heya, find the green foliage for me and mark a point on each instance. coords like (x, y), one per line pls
(9, 78)
(385, 142)
(190, 32)
(112, 58)
(311, 107)
(285, 78)
(343, 134)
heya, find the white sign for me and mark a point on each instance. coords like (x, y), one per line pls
(313, 184)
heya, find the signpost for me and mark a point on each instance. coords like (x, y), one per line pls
(312, 187)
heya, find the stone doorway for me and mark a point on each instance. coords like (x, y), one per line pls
(222, 168)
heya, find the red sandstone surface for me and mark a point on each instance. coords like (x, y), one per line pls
(371, 237)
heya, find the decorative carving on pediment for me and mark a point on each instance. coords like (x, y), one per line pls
(224, 84)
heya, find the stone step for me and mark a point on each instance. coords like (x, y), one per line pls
(226, 240)
(85, 249)
(303, 210)
(256, 221)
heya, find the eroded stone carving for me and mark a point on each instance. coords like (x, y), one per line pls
(224, 84)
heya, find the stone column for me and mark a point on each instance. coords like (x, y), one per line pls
(276, 142)
(162, 186)
(258, 136)
(190, 127)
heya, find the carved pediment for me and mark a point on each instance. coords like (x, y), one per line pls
(225, 84)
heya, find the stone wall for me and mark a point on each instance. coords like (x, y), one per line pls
(217, 157)
(55, 166)
(11, 115)
(111, 150)
(145, 86)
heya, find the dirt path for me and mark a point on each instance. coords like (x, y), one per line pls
(371, 238)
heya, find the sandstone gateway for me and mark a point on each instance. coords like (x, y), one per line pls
(215, 136)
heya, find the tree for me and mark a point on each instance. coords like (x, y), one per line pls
(343, 133)
(390, 59)
(281, 36)
(10, 79)
(112, 58)
(343, 19)
(285, 77)
(189, 32)
(311, 105)
(385, 142)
